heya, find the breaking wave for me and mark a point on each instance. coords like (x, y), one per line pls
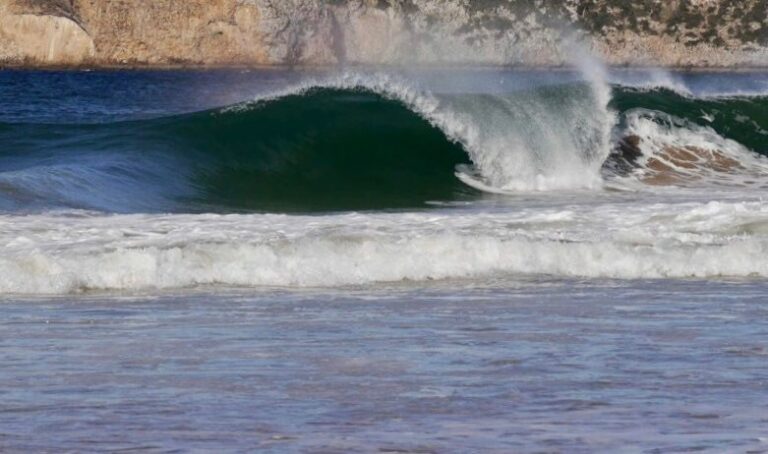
(349, 143)
(373, 142)
(63, 254)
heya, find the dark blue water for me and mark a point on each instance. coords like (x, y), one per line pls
(103, 96)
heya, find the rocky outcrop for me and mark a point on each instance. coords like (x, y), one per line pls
(163, 32)
(725, 33)
(40, 33)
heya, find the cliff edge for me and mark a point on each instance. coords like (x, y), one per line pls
(680, 33)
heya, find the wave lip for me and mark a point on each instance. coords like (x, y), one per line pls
(59, 255)
(548, 138)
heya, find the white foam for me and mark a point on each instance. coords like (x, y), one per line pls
(60, 254)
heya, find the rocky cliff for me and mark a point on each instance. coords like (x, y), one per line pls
(724, 33)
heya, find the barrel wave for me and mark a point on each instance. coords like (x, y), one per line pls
(370, 144)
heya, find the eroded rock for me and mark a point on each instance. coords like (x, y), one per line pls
(707, 33)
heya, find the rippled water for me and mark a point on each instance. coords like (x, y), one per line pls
(560, 366)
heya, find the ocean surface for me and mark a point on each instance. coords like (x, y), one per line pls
(464, 260)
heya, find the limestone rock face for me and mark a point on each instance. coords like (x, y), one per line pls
(160, 32)
(722, 33)
(43, 33)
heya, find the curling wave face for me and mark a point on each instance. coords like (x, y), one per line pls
(350, 142)
(572, 179)
(322, 149)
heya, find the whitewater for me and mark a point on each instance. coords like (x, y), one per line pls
(62, 254)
